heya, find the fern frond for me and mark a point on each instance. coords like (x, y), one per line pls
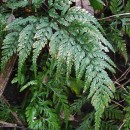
(62, 5)
(43, 33)
(119, 44)
(37, 3)
(76, 106)
(113, 112)
(87, 123)
(9, 47)
(25, 43)
(40, 116)
(127, 111)
(116, 6)
(32, 82)
(101, 88)
(42, 112)
(80, 15)
(61, 102)
(109, 125)
(16, 4)
(19, 23)
(126, 25)
(127, 7)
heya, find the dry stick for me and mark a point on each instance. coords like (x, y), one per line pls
(123, 76)
(11, 125)
(6, 124)
(118, 104)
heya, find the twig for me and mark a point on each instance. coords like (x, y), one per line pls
(6, 124)
(123, 76)
(120, 85)
(11, 125)
(126, 82)
(114, 16)
(118, 104)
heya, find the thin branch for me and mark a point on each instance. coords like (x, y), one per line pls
(11, 125)
(6, 124)
(114, 16)
(123, 76)
(120, 85)
(126, 82)
(118, 104)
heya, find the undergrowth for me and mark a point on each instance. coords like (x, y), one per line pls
(64, 64)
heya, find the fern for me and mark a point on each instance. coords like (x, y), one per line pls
(74, 39)
(120, 45)
(113, 112)
(9, 48)
(76, 106)
(16, 4)
(127, 111)
(5, 111)
(25, 45)
(37, 3)
(109, 125)
(61, 102)
(43, 33)
(127, 7)
(126, 26)
(2, 25)
(42, 112)
(87, 123)
(116, 6)
(36, 122)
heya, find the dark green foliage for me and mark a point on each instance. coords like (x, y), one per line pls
(76, 42)
(116, 6)
(5, 114)
(118, 42)
(87, 123)
(68, 53)
(127, 111)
